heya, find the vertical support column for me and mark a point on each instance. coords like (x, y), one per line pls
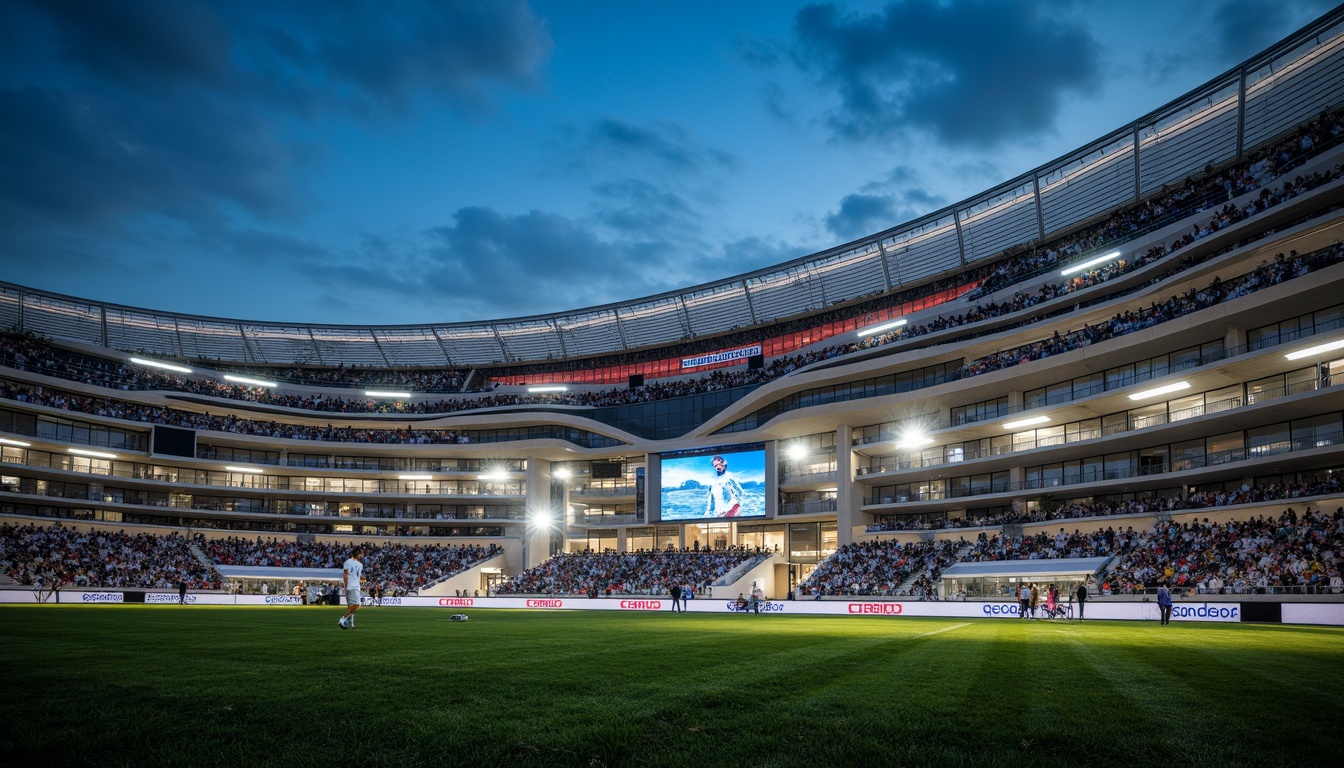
(622, 540)
(536, 537)
(1233, 339)
(1138, 185)
(1241, 113)
(848, 494)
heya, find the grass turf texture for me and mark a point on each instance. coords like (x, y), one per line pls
(166, 685)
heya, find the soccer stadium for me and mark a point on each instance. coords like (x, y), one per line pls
(934, 495)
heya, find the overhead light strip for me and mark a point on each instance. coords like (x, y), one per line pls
(157, 364)
(1112, 256)
(876, 329)
(252, 381)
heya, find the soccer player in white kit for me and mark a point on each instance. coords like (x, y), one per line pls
(351, 571)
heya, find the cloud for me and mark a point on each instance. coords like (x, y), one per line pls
(609, 145)
(79, 158)
(882, 204)
(974, 74)
(143, 43)
(862, 215)
(1243, 28)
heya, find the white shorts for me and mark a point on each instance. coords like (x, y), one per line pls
(352, 597)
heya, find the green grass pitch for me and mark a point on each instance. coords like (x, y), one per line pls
(193, 686)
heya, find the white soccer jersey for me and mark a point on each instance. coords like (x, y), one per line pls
(354, 569)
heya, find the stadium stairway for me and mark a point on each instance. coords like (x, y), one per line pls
(927, 570)
(202, 558)
(468, 580)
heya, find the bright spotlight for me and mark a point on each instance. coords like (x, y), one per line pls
(797, 452)
(913, 440)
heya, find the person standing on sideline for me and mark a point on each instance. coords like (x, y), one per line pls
(1082, 599)
(676, 597)
(1023, 601)
(1051, 597)
(1164, 603)
(182, 591)
(350, 573)
(1035, 598)
(686, 591)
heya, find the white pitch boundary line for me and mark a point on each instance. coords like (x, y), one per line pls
(940, 631)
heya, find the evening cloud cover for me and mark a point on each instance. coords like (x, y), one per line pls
(399, 162)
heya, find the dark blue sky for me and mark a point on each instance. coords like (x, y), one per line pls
(409, 162)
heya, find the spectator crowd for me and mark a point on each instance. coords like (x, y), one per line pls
(644, 572)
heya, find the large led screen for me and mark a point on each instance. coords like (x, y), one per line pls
(713, 486)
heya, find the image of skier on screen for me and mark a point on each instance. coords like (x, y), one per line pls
(725, 493)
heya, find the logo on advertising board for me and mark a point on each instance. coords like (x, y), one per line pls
(544, 603)
(641, 605)
(283, 600)
(876, 609)
(102, 597)
(387, 601)
(1001, 609)
(167, 598)
(766, 607)
(741, 353)
(1206, 611)
(457, 602)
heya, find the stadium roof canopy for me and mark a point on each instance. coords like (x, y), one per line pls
(1245, 107)
(276, 572)
(1064, 566)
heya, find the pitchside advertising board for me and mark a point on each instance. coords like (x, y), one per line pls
(1292, 613)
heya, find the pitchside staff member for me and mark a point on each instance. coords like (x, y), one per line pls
(353, 569)
(1082, 599)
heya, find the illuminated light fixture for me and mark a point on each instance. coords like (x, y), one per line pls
(548, 388)
(493, 476)
(20, 443)
(563, 474)
(912, 440)
(798, 451)
(156, 364)
(1177, 387)
(1112, 256)
(381, 393)
(1316, 350)
(248, 470)
(415, 477)
(254, 382)
(876, 329)
(1026, 422)
(94, 454)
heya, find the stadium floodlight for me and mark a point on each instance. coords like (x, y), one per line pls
(876, 329)
(253, 382)
(1319, 349)
(913, 440)
(157, 364)
(19, 443)
(563, 473)
(248, 470)
(415, 477)
(493, 476)
(1026, 422)
(94, 454)
(541, 520)
(547, 388)
(798, 451)
(381, 393)
(1112, 256)
(1164, 390)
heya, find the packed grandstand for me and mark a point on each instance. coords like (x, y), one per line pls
(1130, 357)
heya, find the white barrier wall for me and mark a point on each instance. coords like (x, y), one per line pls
(1223, 612)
